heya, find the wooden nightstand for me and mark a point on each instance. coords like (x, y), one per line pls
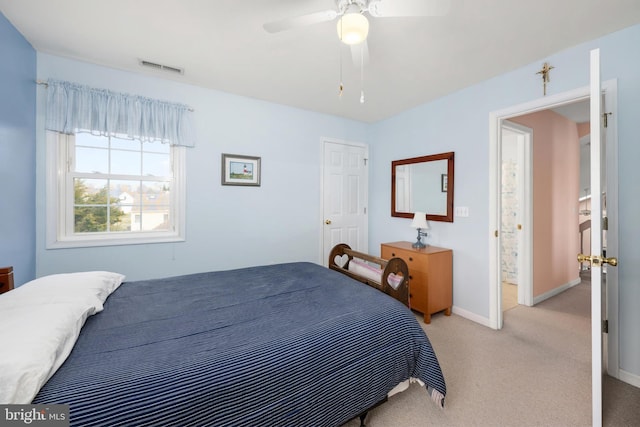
(430, 276)
(6, 279)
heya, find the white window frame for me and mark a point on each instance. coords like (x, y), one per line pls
(59, 203)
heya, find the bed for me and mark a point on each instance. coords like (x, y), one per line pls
(292, 344)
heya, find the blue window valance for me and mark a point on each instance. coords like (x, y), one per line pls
(72, 107)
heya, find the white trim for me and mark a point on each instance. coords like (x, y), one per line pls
(545, 103)
(629, 378)
(484, 321)
(495, 210)
(553, 292)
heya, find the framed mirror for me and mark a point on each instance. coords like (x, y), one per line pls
(423, 184)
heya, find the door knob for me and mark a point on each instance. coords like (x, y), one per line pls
(597, 260)
(327, 221)
(584, 258)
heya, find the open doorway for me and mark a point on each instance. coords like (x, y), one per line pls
(497, 120)
(547, 194)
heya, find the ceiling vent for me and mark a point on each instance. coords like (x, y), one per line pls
(161, 67)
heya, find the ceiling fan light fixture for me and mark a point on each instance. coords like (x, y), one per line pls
(353, 28)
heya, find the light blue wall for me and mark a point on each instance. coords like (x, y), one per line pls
(280, 221)
(460, 122)
(17, 152)
(227, 227)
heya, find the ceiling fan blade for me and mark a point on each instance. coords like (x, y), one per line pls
(405, 8)
(300, 21)
(357, 52)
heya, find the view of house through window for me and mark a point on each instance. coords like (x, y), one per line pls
(120, 185)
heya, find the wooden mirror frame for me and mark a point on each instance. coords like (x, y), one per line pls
(449, 157)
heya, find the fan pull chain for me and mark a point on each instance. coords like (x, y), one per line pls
(341, 87)
(362, 75)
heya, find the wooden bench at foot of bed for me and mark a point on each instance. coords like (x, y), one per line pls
(342, 256)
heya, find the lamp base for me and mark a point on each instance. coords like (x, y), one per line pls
(418, 244)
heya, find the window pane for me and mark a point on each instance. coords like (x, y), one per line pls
(154, 220)
(125, 162)
(92, 160)
(119, 219)
(156, 164)
(90, 191)
(127, 194)
(87, 140)
(156, 199)
(125, 144)
(90, 219)
(155, 194)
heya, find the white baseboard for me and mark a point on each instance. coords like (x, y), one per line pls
(629, 378)
(484, 321)
(556, 291)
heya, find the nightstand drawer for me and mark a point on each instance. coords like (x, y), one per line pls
(414, 262)
(418, 296)
(6, 279)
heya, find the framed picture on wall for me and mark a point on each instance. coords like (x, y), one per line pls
(240, 170)
(444, 182)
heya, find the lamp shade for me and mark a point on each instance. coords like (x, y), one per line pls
(353, 28)
(420, 221)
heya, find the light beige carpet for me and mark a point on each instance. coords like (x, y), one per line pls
(536, 371)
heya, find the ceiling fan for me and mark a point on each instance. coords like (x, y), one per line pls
(353, 25)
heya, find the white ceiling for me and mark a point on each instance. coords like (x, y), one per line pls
(222, 45)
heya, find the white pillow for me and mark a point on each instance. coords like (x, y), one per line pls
(41, 321)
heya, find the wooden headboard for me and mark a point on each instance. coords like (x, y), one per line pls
(343, 254)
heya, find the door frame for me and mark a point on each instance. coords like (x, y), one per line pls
(323, 142)
(609, 89)
(524, 188)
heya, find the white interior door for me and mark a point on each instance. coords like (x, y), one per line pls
(604, 197)
(520, 138)
(345, 197)
(597, 367)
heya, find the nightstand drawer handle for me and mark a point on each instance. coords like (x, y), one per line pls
(393, 254)
(410, 259)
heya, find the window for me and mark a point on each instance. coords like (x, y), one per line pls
(110, 191)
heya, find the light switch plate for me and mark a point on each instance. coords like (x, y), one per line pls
(462, 211)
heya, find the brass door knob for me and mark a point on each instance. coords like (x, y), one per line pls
(584, 258)
(327, 221)
(598, 260)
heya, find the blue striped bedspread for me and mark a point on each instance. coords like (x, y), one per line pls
(282, 345)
